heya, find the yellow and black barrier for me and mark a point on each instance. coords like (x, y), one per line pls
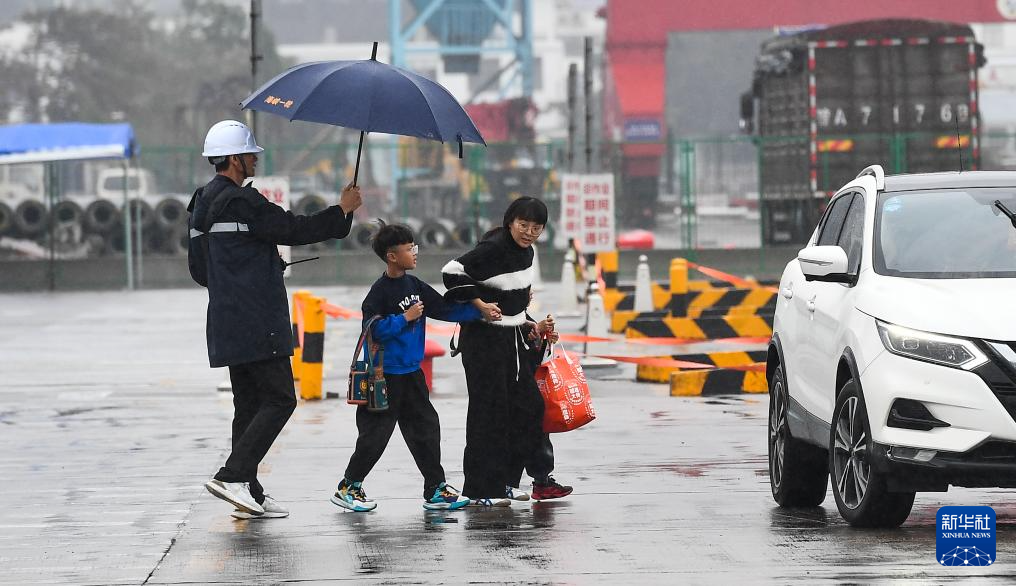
(681, 297)
(660, 293)
(732, 311)
(696, 298)
(296, 317)
(313, 347)
(744, 300)
(707, 328)
(620, 319)
(617, 296)
(720, 381)
(650, 372)
(606, 269)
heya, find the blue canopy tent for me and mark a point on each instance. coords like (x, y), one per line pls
(71, 141)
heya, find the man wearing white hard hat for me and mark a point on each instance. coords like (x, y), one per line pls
(233, 253)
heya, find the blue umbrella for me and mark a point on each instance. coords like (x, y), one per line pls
(368, 96)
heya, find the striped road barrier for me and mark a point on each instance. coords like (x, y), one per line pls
(747, 300)
(660, 293)
(312, 370)
(721, 381)
(619, 320)
(707, 328)
(296, 317)
(649, 372)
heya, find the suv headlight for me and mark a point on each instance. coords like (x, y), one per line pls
(944, 350)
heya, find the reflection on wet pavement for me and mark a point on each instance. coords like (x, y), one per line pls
(106, 447)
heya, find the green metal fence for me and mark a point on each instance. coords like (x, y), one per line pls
(732, 192)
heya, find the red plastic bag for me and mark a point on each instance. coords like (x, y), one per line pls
(565, 393)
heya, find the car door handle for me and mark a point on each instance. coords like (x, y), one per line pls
(787, 292)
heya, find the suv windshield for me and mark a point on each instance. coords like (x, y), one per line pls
(945, 234)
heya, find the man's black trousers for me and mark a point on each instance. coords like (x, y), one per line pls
(409, 406)
(263, 400)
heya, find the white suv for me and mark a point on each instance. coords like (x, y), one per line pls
(892, 365)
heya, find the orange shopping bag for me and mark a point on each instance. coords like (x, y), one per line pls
(565, 393)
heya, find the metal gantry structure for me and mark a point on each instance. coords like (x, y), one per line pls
(461, 27)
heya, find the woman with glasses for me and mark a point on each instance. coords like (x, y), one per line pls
(504, 421)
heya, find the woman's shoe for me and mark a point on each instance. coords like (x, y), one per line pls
(549, 489)
(514, 494)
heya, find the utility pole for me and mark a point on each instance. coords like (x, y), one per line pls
(573, 80)
(255, 15)
(588, 75)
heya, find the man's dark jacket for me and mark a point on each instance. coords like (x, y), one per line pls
(248, 310)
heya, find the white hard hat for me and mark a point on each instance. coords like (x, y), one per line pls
(229, 137)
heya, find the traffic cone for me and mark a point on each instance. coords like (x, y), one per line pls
(643, 286)
(568, 305)
(537, 279)
(597, 322)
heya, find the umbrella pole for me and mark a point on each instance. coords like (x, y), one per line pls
(359, 149)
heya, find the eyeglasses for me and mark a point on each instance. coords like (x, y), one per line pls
(533, 229)
(411, 250)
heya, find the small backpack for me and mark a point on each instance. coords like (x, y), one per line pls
(367, 384)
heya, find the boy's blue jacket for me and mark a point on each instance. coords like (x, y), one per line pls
(402, 340)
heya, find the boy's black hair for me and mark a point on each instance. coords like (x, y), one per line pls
(525, 208)
(388, 236)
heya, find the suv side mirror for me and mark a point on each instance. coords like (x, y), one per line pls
(824, 263)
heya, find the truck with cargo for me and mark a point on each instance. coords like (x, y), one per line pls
(826, 103)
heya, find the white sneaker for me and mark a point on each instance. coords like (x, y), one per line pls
(497, 502)
(515, 494)
(273, 510)
(235, 493)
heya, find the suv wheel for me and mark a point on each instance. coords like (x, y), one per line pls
(798, 471)
(859, 489)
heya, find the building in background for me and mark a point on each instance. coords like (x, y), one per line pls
(677, 69)
(559, 27)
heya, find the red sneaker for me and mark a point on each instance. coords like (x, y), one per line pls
(549, 489)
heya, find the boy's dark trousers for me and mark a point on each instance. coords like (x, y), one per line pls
(408, 405)
(263, 400)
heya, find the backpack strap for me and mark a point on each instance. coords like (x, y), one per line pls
(379, 353)
(363, 343)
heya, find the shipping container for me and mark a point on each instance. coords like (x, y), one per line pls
(827, 103)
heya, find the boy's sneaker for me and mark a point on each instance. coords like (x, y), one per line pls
(350, 496)
(549, 489)
(445, 498)
(515, 494)
(235, 493)
(273, 510)
(490, 503)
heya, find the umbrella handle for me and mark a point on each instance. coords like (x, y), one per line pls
(359, 149)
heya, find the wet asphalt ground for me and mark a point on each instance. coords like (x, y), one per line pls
(110, 424)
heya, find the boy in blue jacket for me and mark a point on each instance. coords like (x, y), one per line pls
(404, 302)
